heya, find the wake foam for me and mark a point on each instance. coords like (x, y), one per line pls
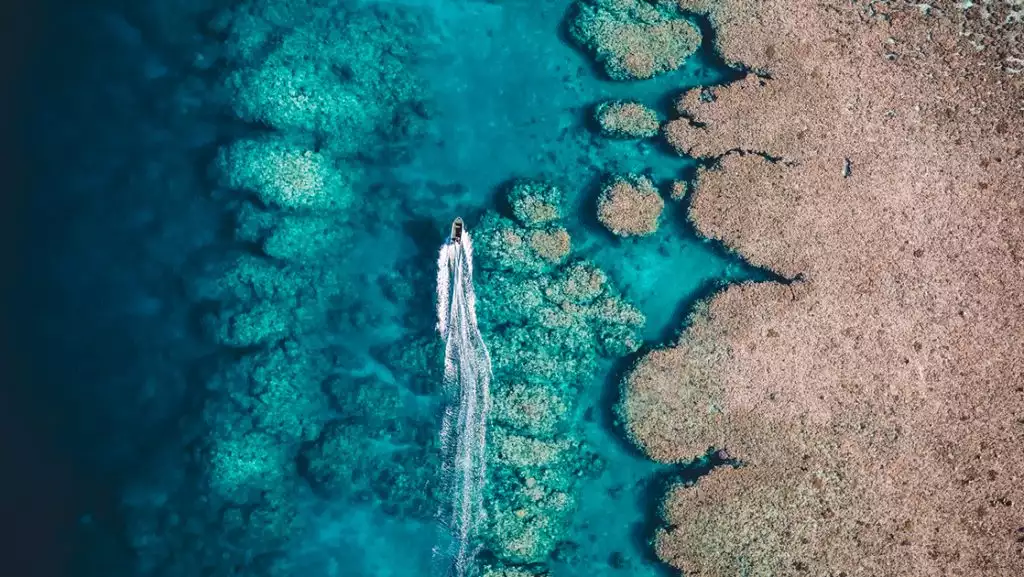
(467, 382)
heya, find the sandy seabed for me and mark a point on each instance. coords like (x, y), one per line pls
(876, 157)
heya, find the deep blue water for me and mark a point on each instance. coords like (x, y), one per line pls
(182, 450)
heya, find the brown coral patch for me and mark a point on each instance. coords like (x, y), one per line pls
(552, 245)
(630, 206)
(644, 51)
(877, 404)
(679, 189)
(539, 212)
(634, 39)
(627, 120)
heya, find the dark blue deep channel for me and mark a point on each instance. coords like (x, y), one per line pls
(224, 360)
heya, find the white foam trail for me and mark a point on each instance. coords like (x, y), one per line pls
(443, 287)
(467, 381)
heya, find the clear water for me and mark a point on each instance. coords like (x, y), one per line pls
(137, 220)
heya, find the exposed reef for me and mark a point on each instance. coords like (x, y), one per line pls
(624, 119)
(634, 39)
(630, 205)
(875, 403)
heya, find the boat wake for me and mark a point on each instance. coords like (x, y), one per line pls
(467, 381)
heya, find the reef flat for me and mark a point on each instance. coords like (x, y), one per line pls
(874, 155)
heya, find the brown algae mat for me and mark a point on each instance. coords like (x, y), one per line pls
(877, 402)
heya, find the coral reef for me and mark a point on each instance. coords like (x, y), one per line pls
(536, 205)
(300, 239)
(508, 246)
(286, 174)
(679, 190)
(628, 120)
(633, 39)
(535, 202)
(306, 394)
(418, 361)
(535, 411)
(253, 300)
(630, 206)
(534, 486)
(550, 245)
(871, 402)
(245, 463)
(318, 89)
(395, 470)
(545, 327)
(575, 311)
(315, 69)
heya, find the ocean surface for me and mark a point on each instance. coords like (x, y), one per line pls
(228, 287)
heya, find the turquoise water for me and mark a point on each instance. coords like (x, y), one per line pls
(243, 265)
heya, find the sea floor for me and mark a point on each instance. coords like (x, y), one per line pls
(137, 217)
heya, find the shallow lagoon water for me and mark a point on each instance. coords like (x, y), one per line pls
(506, 97)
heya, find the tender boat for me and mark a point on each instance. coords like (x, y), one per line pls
(456, 236)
